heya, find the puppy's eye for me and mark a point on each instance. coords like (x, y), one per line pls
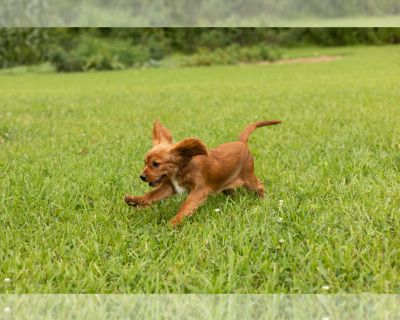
(155, 164)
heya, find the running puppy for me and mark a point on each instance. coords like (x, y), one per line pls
(188, 165)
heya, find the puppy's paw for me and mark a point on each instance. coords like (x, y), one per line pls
(133, 201)
(229, 192)
(175, 221)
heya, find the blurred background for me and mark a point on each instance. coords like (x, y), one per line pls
(89, 49)
(190, 13)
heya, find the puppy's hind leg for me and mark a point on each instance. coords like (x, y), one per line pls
(252, 183)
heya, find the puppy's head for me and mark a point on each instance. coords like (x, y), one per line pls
(165, 158)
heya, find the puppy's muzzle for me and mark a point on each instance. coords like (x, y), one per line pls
(156, 182)
(143, 177)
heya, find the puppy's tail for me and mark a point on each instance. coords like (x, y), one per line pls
(244, 136)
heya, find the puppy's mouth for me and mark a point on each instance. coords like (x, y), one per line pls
(155, 183)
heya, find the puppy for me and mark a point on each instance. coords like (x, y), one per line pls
(172, 168)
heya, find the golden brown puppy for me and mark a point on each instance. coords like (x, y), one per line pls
(189, 166)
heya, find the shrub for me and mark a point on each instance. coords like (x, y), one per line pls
(129, 55)
(97, 54)
(102, 62)
(249, 54)
(232, 55)
(66, 62)
(20, 46)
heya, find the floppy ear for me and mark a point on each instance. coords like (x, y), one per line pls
(187, 149)
(161, 134)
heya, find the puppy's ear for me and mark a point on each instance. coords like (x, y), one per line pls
(185, 150)
(161, 134)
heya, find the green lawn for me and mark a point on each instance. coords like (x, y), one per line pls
(71, 145)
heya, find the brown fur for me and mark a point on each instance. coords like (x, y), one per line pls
(188, 164)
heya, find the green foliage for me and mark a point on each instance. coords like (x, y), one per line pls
(99, 54)
(115, 48)
(22, 46)
(337, 36)
(232, 55)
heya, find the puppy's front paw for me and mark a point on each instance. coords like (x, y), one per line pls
(133, 201)
(175, 221)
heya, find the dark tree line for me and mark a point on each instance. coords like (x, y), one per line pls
(34, 45)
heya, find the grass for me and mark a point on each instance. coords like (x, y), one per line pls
(72, 144)
(38, 68)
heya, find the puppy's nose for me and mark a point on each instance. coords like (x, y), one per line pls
(143, 177)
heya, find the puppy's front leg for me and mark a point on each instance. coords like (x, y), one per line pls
(163, 191)
(192, 202)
